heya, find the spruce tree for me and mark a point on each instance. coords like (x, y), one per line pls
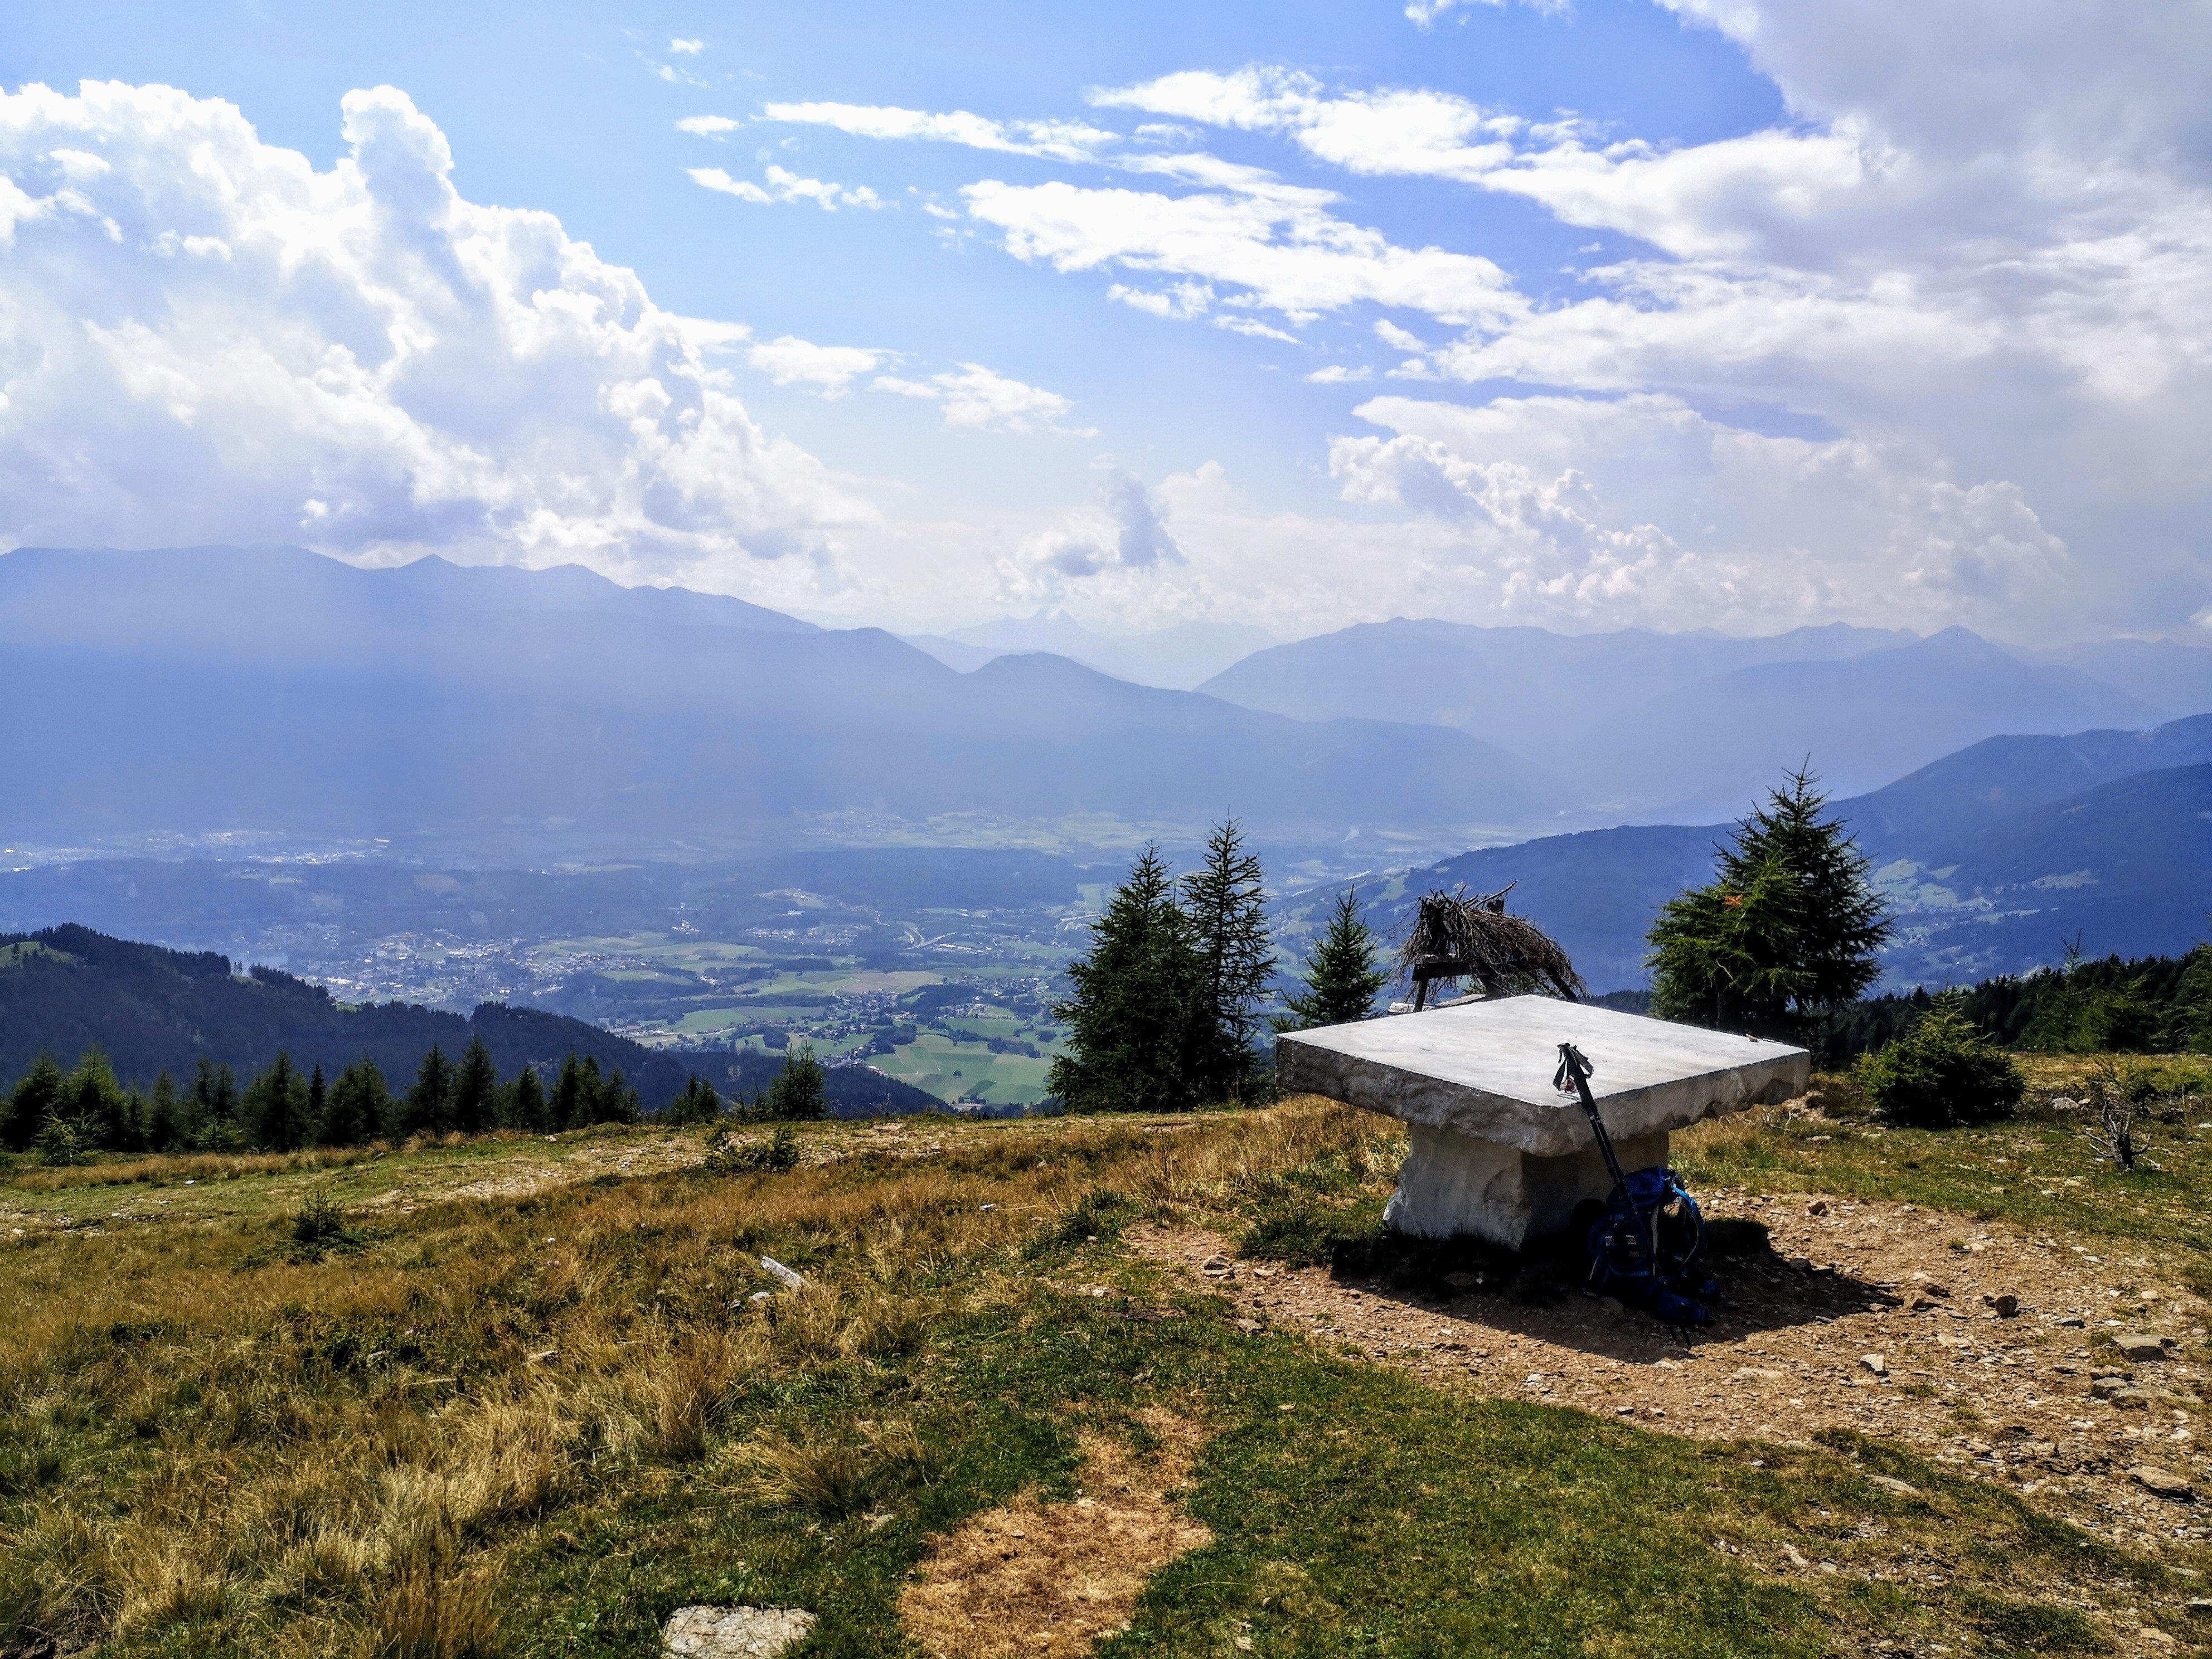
(93, 1101)
(1789, 929)
(429, 1106)
(37, 1098)
(165, 1119)
(571, 1105)
(475, 1091)
(276, 1107)
(1342, 978)
(522, 1103)
(1129, 1041)
(318, 1103)
(359, 1107)
(698, 1103)
(1226, 906)
(618, 1101)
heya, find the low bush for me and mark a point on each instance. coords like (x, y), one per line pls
(778, 1155)
(1941, 1074)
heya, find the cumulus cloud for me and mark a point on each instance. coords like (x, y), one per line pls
(789, 360)
(1123, 531)
(1595, 511)
(687, 48)
(787, 186)
(202, 338)
(977, 397)
(707, 126)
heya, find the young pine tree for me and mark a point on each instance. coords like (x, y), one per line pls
(475, 1091)
(276, 1107)
(1226, 906)
(1342, 979)
(522, 1103)
(801, 1093)
(94, 1101)
(1129, 1041)
(1790, 929)
(429, 1106)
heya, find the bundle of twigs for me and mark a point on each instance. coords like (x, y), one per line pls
(1508, 954)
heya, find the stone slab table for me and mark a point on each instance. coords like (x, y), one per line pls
(1497, 1151)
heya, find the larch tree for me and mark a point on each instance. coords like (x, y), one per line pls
(1226, 906)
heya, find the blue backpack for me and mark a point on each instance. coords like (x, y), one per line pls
(1648, 1248)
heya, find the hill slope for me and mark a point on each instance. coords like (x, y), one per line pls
(66, 989)
(1992, 859)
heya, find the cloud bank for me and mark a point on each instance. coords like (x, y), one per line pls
(204, 338)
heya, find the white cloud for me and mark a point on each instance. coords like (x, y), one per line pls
(1339, 374)
(1277, 246)
(1123, 531)
(1641, 509)
(980, 398)
(359, 358)
(1064, 141)
(787, 186)
(707, 126)
(788, 359)
(687, 48)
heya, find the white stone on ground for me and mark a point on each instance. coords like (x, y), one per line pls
(703, 1633)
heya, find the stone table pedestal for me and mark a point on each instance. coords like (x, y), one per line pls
(1496, 1152)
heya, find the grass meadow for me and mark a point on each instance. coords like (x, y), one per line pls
(515, 1398)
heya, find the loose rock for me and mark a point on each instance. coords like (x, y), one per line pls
(1893, 1485)
(2140, 1345)
(1875, 1363)
(2162, 1483)
(704, 1632)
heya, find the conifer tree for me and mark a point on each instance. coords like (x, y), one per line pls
(93, 1101)
(429, 1107)
(360, 1106)
(572, 1100)
(1789, 928)
(618, 1101)
(1129, 1042)
(801, 1093)
(165, 1120)
(1227, 910)
(475, 1091)
(698, 1103)
(276, 1107)
(319, 1104)
(37, 1098)
(1342, 978)
(522, 1103)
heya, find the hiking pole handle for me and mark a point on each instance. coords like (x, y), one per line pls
(1573, 1077)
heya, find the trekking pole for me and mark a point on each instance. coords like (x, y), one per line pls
(1573, 1077)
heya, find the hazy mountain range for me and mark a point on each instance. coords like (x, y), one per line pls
(199, 689)
(1176, 659)
(1993, 860)
(1654, 725)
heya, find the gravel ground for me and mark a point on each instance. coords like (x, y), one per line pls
(1889, 1324)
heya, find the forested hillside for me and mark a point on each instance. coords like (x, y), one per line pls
(65, 990)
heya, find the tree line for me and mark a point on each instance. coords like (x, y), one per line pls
(62, 1116)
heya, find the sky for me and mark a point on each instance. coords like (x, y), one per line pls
(1672, 314)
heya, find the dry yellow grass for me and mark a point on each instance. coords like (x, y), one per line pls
(331, 1452)
(1050, 1579)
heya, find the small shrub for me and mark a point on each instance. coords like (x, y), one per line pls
(319, 1226)
(777, 1155)
(1942, 1074)
(1100, 1214)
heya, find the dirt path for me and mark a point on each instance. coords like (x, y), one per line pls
(1892, 1327)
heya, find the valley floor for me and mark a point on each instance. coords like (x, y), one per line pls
(1135, 1386)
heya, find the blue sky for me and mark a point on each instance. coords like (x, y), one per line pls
(1706, 314)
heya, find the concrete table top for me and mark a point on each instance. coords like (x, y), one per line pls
(1484, 1070)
